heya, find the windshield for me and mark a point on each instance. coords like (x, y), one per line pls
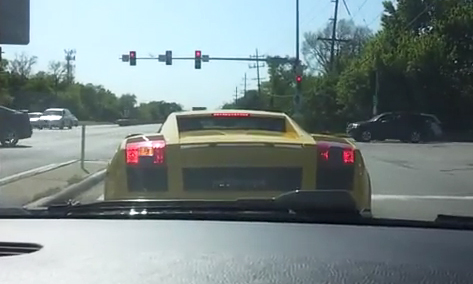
(221, 100)
(53, 112)
(375, 118)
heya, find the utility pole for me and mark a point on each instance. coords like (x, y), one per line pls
(334, 34)
(236, 95)
(70, 56)
(376, 85)
(258, 66)
(333, 39)
(244, 90)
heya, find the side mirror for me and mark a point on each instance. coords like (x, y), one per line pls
(131, 135)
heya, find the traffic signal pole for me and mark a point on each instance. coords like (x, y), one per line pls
(297, 71)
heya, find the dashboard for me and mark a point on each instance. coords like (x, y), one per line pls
(170, 251)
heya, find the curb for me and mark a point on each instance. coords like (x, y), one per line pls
(34, 172)
(69, 192)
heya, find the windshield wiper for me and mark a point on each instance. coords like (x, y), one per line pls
(11, 212)
(334, 203)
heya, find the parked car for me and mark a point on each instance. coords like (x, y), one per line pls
(14, 126)
(34, 119)
(58, 118)
(404, 126)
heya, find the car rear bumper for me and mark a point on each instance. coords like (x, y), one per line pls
(25, 132)
(193, 180)
(51, 123)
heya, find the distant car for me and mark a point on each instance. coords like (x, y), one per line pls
(404, 126)
(14, 126)
(231, 154)
(34, 119)
(57, 118)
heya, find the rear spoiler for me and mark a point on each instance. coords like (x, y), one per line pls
(241, 144)
(329, 138)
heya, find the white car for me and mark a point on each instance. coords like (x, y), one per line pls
(57, 118)
(34, 119)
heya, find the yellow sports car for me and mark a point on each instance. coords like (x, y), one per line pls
(230, 154)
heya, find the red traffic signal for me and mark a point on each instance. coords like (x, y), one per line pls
(198, 53)
(133, 58)
(298, 79)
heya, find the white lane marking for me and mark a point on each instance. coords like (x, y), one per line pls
(420, 197)
(33, 172)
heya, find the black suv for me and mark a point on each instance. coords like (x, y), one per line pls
(407, 127)
(14, 125)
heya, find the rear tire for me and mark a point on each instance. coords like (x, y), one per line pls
(10, 139)
(366, 136)
(415, 137)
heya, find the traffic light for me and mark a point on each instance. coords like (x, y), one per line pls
(198, 59)
(168, 57)
(132, 58)
(299, 82)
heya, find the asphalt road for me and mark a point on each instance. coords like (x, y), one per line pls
(55, 146)
(434, 169)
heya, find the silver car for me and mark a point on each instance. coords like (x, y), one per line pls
(57, 118)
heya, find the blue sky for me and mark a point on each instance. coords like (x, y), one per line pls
(102, 30)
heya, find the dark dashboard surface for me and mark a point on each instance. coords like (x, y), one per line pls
(149, 251)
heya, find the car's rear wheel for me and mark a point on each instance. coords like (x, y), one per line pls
(10, 139)
(415, 137)
(366, 136)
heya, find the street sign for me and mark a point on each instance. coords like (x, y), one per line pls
(205, 58)
(125, 58)
(15, 22)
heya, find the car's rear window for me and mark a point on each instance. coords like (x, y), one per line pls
(195, 123)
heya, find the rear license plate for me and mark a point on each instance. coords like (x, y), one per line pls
(146, 151)
(248, 184)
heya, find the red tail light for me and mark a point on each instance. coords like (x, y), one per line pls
(151, 149)
(335, 153)
(348, 156)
